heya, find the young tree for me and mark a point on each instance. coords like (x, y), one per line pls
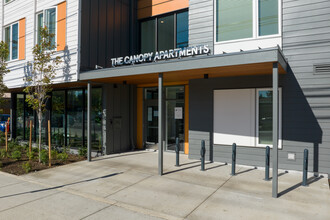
(39, 81)
(4, 53)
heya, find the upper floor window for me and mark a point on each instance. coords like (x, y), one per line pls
(241, 19)
(47, 18)
(11, 38)
(164, 32)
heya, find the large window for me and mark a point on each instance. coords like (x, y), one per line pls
(11, 38)
(244, 117)
(58, 118)
(241, 19)
(47, 18)
(164, 32)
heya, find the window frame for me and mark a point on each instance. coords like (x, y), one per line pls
(279, 118)
(255, 115)
(174, 13)
(43, 22)
(11, 40)
(255, 25)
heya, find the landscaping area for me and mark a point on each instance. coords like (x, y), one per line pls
(19, 159)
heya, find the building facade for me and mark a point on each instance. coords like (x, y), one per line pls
(189, 69)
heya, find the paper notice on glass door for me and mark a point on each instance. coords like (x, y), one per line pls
(178, 113)
(150, 114)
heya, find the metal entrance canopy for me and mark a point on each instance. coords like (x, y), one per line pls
(256, 62)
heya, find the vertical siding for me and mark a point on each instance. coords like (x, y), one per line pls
(201, 23)
(106, 32)
(19, 9)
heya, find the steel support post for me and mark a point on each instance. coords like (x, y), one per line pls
(267, 162)
(89, 136)
(305, 168)
(160, 124)
(275, 131)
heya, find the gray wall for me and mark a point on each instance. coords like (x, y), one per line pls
(118, 118)
(201, 23)
(306, 96)
(300, 128)
(306, 41)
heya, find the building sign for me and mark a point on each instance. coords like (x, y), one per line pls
(161, 55)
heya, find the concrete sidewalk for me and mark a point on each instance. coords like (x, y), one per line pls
(126, 186)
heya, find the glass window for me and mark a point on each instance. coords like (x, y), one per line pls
(96, 119)
(182, 30)
(265, 126)
(268, 17)
(40, 25)
(58, 118)
(29, 117)
(20, 116)
(75, 118)
(165, 32)
(11, 38)
(47, 19)
(8, 38)
(148, 29)
(14, 47)
(234, 19)
(50, 22)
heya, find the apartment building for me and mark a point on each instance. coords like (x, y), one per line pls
(147, 71)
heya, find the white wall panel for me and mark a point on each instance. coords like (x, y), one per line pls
(234, 117)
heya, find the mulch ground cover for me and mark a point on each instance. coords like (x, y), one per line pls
(15, 167)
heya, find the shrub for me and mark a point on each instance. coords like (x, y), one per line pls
(27, 167)
(54, 154)
(26, 147)
(12, 144)
(30, 155)
(44, 157)
(3, 153)
(16, 155)
(35, 150)
(63, 156)
(1, 165)
(82, 151)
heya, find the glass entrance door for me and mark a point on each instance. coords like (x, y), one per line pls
(174, 117)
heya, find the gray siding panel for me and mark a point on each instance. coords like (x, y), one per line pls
(201, 23)
(305, 96)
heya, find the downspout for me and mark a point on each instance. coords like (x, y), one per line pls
(79, 40)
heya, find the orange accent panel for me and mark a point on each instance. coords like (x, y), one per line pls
(61, 26)
(139, 115)
(186, 119)
(21, 39)
(149, 8)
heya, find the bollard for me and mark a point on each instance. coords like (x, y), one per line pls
(233, 162)
(267, 163)
(203, 156)
(305, 168)
(177, 151)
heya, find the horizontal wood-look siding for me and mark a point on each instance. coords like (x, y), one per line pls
(18, 9)
(306, 41)
(201, 23)
(149, 8)
(305, 96)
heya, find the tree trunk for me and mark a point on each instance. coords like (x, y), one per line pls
(39, 119)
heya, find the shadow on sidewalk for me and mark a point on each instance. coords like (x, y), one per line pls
(309, 181)
(121, 155)
(61, 186)
(198, 165)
